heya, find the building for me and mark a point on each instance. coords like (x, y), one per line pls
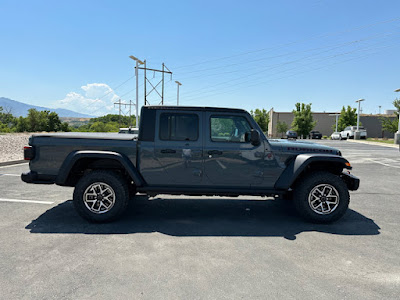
(326, 122)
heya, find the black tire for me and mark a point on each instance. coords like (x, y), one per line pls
(114, 184)
(309, 185)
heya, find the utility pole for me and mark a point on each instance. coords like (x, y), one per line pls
(357, 134)
(162, 90)
(397, 134)
(130, 113)
(119, 110)
(337, 117)
(120, 103)
(164, 70)
(177, 95)
(138, 61)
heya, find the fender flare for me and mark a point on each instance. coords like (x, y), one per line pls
(297, 166)
(75, 156)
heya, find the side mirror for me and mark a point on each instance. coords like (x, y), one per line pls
(255, 138)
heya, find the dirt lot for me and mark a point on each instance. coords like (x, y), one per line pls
(12, 145)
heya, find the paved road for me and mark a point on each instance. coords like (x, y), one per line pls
(204, 247)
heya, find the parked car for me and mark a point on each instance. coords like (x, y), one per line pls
(290, 134)
(190, 151)
(349, 132)
(129, 130)
(336, 136)
(315, 135)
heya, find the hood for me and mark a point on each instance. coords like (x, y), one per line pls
(302, 147)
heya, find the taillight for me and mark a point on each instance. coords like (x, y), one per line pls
(29, 153)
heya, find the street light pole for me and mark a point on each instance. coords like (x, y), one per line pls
(337, 117)
(138, 61)
(397, 134)
(357, 134)
(177, 95)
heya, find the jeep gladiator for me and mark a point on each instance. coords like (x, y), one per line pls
(190, 151)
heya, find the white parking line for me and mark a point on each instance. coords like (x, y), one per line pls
(381, 163)
(17, 175)
(14, 165)
(25, 201)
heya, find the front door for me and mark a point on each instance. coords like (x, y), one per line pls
(230, 160)
(179, 148)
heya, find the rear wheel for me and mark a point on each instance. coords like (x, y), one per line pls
(101, 196)
(321, 197)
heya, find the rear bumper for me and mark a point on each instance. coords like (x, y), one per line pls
(352, 182)
(33, 177)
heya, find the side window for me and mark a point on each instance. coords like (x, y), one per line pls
(179, 127)
(230, 129)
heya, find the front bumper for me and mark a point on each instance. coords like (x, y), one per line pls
(352, 182)
(33, 177)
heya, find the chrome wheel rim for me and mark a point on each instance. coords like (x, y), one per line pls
(323, 199)
(99, 198)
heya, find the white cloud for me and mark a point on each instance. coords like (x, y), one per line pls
(96, 99)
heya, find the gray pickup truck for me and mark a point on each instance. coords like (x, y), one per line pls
(190, 151)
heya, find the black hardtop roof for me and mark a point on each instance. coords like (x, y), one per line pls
(194, 108)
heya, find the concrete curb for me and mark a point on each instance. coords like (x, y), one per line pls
(13, 162)
(374, 143)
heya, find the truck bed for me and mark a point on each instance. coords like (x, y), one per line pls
(53, 148)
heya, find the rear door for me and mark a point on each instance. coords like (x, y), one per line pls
(179, 148)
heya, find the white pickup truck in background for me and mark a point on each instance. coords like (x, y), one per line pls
(349, 132)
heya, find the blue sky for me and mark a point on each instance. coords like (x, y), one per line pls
(246, 54)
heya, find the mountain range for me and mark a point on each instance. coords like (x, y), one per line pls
(21, 109)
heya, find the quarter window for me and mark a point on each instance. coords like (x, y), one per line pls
(230, 129)
(179, 127)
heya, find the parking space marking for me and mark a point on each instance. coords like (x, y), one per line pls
(384, 164)
(25, 201)
(17, 175)
(14, 165)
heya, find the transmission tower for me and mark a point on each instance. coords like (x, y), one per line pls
(164, 70)
(120, 113)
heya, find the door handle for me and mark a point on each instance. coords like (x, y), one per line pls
(214, 152)
(168, 151)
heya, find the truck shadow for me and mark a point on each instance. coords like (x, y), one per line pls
(201, 217)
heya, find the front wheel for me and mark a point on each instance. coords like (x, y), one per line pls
(321, 197)
(101, 196)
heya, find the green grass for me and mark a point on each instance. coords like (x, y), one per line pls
(390, 141)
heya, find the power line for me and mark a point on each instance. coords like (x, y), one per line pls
(291, 43)
(284, 77)
(109, 92)
(279, 65)
(247, 62)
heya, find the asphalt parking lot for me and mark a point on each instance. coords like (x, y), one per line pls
(171, 247)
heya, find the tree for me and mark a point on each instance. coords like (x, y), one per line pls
(22, 125)
(37, 120)
(262, 118)
(124, 121)
(303, 121)
(392, 125)
(98, 127)
(282, 127)
(7, 120)
(64, 127)
(348, 117)
(53, 123)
